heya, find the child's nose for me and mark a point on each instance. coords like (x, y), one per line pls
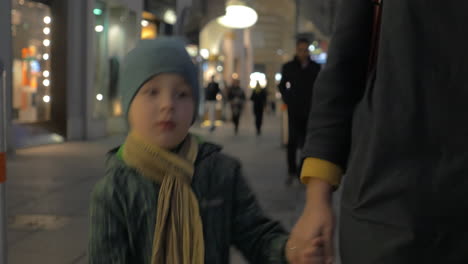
(167, 102)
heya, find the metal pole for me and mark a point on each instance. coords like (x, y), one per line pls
(3, 150)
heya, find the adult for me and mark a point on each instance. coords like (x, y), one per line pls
(211, 91)
(259, 99)
(236, 97)
(296, 86)
(400, 135)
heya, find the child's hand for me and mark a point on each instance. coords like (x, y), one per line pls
(311, 252)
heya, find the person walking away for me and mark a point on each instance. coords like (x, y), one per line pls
(236, 97)
(259, 99)
(296, 87)
(211, 91)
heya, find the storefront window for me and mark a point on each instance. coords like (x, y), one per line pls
(149, 28)
(101, 79)
(31, 30)
(116, 32)
(123, 35)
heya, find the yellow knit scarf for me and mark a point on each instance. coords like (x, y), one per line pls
(178, 233)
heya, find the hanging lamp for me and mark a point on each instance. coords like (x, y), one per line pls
(238, 15)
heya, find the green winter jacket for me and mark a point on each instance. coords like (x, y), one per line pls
(123, 214)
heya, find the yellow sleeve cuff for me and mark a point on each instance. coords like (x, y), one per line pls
(321, 169)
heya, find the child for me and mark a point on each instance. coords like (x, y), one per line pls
(167, 197)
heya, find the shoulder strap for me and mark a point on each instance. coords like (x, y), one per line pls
(375, 36)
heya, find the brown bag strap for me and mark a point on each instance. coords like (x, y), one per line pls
(375, 36)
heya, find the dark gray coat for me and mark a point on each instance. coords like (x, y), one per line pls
(123, 214)
(402, 134)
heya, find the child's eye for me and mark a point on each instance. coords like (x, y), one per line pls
(152, 92)
(182, 94)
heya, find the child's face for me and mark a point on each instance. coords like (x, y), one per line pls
(162, 110)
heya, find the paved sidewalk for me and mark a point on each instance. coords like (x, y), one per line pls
(49, 187)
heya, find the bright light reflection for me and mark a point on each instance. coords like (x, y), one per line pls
(238, 16)
(47, 19)
(99, 28)
(46, 99)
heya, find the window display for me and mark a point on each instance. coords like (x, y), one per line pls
(31, 29)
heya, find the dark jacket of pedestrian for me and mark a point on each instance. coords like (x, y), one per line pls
(211, 91)
(236, 96)
(259, 99)
(296, 86)
(400, 135)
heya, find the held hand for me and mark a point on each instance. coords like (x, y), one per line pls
(316, 222)
(311, 252)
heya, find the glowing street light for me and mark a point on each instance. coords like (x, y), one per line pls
(99, 28)
(46, 74)
(99, 97)
(205, 53)
(46, 99)
(46, 42)
(97, 11)
(46, 30)
(144, 23)
(170, 17)
(47, 20)
(278, 77)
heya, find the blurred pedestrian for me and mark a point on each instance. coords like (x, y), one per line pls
(236, 97)
(259, 99)
(168, 196)
(211, 92)
(296, 86)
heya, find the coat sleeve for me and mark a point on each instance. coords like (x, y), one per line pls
(108, 242)
(260, 239)
(340, 85)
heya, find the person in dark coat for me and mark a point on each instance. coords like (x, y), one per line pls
(296, 86)
(211, 91)
(259, 99)
(400, 134)
(236, 97)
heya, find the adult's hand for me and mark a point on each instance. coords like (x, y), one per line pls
(317, 221)
(311, 252)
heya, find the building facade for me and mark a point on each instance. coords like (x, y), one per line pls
(60, 58)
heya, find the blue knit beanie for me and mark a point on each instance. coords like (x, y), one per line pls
(150, 58)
